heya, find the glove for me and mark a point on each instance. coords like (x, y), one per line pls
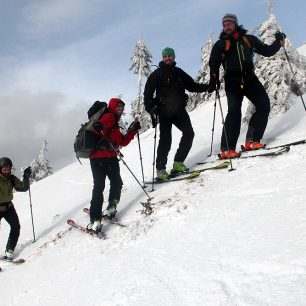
(280, 37)
(205, 87)
(149, 106)
(154, 111)
(213, 83)
(152, 106)
(27, 173)
(135, 125)
(97, 126)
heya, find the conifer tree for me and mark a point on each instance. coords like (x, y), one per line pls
(40, 167)
(141, 59)
(274, 72)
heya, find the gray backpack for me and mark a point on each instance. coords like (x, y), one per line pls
(86, 140)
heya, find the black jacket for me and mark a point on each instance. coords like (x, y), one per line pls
(238, 60)
(170, 83)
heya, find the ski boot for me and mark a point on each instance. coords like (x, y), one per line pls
(8, 256)
(252, 145)
(228, 154)
(95, 226)
(111, 210)
(162, 175)
(178, 167)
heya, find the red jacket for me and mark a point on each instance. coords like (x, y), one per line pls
(109, 121)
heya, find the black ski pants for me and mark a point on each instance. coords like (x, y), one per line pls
(256, 93)
(102, 168)
(8, 212)
(182, 121)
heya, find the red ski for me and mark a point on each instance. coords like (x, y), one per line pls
(86, 210)
(100, 235)
(18, 261)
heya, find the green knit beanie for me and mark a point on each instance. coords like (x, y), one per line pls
(168, 51)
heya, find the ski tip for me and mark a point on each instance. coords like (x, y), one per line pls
(224, 164)
(19, 261)
(70, 222)
(86, 210)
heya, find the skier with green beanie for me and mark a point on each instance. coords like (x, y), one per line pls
(169, 83)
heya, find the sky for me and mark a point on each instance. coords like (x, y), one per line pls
(58, 57)
(226, 238)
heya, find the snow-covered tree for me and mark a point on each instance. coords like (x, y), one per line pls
(195, 99)
(40, 167)
(274, 72)
(141, 59)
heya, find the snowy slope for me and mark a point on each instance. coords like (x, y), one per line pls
(226, 238)
(302, 49)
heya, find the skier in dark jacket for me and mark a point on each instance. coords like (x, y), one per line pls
(104, 162)
(169, 82)
(8, 182)
(240, 80)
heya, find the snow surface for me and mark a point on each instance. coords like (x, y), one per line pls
(225, 238)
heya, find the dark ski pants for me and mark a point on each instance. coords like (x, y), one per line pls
(256, 93)
(102, 167)
(182, 121)
(8, 212)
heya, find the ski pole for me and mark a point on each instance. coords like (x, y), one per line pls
(293, 75)
(154, 152)
(140, 156)
(213, 127)
(31, 213)
(120, 156)
(224, 129)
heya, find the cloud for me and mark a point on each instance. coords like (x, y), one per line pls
(43, 18)
(28, 119)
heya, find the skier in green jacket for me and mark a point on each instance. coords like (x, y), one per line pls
(8, 182)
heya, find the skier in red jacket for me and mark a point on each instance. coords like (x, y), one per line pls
(104, 162)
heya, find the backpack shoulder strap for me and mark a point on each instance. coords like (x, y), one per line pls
(160, 71)
(227, 45)
(247, 42)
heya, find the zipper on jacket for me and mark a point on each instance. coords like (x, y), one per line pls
(239, 47)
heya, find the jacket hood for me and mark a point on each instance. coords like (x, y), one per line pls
(113, 102)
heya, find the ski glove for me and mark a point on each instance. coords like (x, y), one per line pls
(280, 37)
(135, 125)
(27, 173)
(149, 106)
(214, 83)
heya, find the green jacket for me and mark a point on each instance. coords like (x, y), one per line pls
(7, 184)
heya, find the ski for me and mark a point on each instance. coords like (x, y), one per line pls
(289, 144)
(191, 173)
(303, 141)
(223, 165)
(86, 210)
(18, 261)
(187, 176)
(100, 235)
(259, 153)
(262, 153)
